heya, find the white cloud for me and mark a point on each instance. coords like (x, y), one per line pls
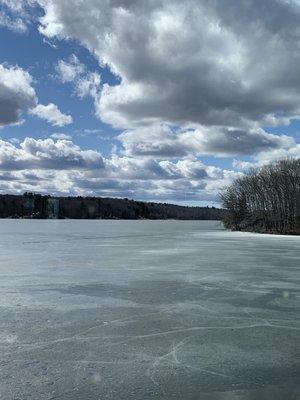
(193, 65)
(17, 24)
(266, 157)
(62, 154)
(16, 94)
(47, 154)
(89, 85)
(60, 136)
(195, 78)
(233, 141)
(15, 140)
(14, 5)
(192, 62)
(161, 141)
(156, 140)
(51, 114)
(69, 71)
(86, 83)
(63, 167)
(15, 14)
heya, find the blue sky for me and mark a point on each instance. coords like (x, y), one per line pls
(164, 101)
(35, 55)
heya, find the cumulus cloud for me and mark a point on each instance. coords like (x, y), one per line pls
(47, 154)
(152, 180)
(233, 141)
(51, 114)
(156, 141)
(151, 169)
(16, 94)
(161, 141)
(265, 157)
(194, 78)
(63, 167)
(192, 62)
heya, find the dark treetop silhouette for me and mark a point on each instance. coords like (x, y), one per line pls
(265, 200)
(37, 206)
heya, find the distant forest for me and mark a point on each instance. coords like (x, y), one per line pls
(38, 206)
(265, 200)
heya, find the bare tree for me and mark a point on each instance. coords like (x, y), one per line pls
(265, 199)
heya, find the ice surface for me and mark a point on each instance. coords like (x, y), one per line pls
(147, 310)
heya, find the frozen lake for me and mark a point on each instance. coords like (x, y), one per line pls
(120, 310)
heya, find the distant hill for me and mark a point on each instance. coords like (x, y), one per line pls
(38, 206)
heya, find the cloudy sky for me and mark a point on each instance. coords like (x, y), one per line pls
(164, 100)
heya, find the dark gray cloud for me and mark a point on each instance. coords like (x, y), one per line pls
(231, 141)
(161, 141)
(189, 62)
(16, 94)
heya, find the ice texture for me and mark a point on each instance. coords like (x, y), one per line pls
(124, 310)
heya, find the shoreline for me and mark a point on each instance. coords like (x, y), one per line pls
(108, 219)
(270, 233)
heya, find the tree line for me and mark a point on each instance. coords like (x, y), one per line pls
(266, 199)
(32, 205)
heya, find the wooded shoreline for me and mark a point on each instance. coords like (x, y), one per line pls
(265, 200)
(37, 206)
